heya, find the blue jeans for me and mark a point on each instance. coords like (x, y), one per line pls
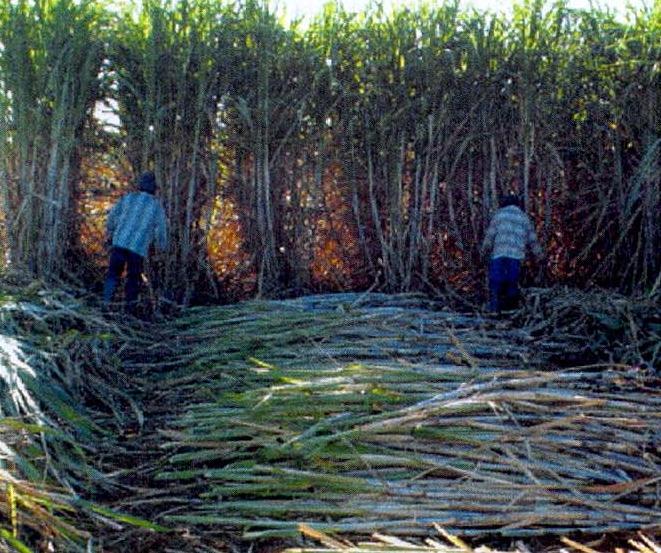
(120, 258)
(504, 283)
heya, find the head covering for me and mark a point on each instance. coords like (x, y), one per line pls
(147, 182)
(510, 199)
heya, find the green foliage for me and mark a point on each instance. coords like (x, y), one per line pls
(389, 135)
(49, 65)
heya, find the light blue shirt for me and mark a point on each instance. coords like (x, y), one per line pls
(137, 220)
(510, 233)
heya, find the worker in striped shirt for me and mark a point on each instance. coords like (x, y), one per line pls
(509, 234)
(134, 222)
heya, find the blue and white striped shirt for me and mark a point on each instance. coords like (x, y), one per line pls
(509, 233)
(135, 221)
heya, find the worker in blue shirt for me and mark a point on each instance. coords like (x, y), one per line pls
(134, 222)
(509, 235)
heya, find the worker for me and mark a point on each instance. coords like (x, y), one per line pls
(509, 234)
(134, 222)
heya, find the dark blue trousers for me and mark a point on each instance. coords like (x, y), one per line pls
(120, 258)
(504, 275)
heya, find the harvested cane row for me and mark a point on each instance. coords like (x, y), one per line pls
(356, 414)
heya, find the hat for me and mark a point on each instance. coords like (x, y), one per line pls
(147, 182)
(510, 199)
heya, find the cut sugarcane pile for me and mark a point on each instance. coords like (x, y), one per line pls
(597, 325)
(445, 542)
(63, 400)
(366, 415)
(361, 414)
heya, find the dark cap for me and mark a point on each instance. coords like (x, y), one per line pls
(147, 182)
(510, 199)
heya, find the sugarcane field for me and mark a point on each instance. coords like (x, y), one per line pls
(365, 276)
